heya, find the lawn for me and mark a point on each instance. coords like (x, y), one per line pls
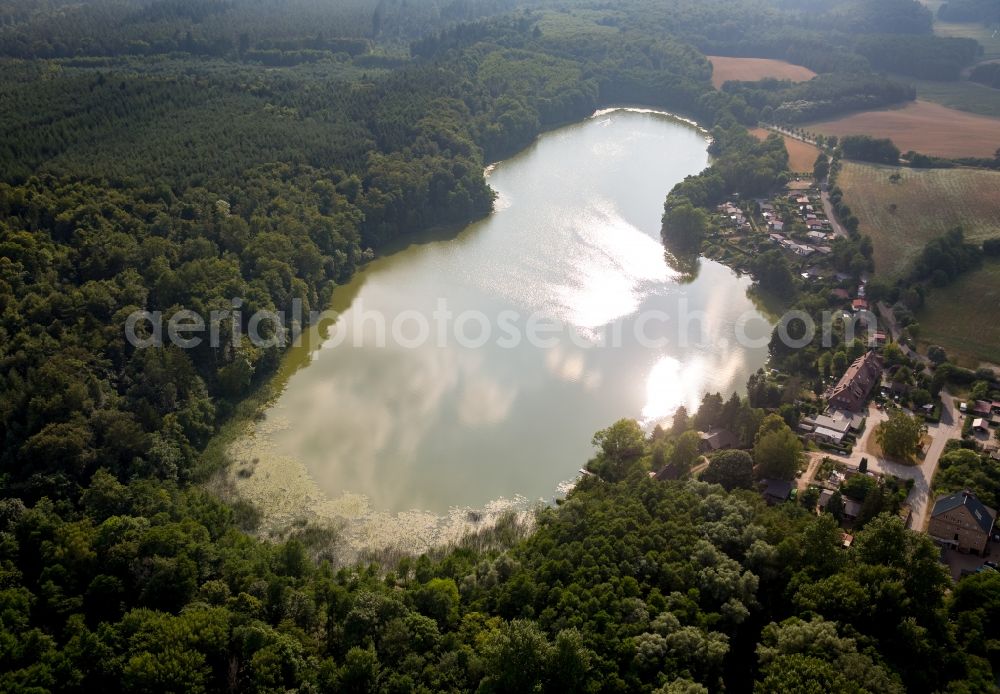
(923, 126)
(801, 155)
(753, 69)
(964, 317)
(928, 202)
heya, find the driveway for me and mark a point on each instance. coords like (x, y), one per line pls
(922, 475)
(889, 318)
(835, 224)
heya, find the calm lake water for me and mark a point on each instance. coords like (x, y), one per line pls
(576, 238)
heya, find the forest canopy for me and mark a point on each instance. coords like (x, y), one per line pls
(167, 154)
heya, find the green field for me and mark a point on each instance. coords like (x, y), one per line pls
(964, 318)
(928, 202)
(962, 95)
(971, 30)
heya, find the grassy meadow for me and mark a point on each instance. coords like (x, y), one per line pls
(901, 217)
(964, 317)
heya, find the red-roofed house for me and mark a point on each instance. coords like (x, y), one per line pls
(982, 407)
(852, 390)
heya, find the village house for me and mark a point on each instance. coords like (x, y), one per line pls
(851, 392)
(667, 473)
(852, 509)
(963, 522)
(983, 408)
(893, 386)
(775, 491)
(832, 427)
(717, 440)
(841, 421)
(859, 305)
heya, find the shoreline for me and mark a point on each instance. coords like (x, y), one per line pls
(285, 494)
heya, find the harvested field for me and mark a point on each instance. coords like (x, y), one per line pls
(752, 69)
(801, 155)
(901, 217)
(922, 126)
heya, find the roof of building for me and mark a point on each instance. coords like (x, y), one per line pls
(983, 514)
(853, 388)
(831, 434)
(838, 421)
(776, 489)
(852, 509)
(719, 438)
(668, 472)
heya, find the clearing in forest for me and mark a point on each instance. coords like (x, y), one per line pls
(725, 69)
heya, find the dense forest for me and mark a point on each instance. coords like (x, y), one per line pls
(988, 74)
(165, 154)
(983, 11)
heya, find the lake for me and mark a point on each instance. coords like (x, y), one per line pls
(470, 371)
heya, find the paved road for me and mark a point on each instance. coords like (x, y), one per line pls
(923, 474)
(838, 228)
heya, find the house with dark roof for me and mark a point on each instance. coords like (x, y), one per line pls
(983, 408)
(775, 491)
(667, 473)
(717, 440)
(851, 391)
(962, 521)
(852, 509)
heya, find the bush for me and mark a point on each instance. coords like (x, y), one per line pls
(991, 247)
